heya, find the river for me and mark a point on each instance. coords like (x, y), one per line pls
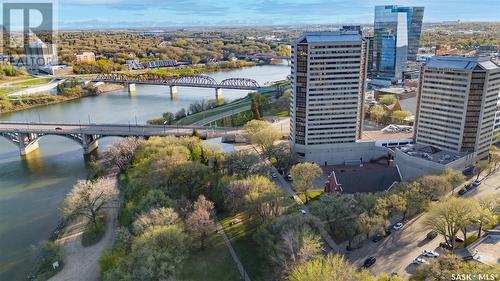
(32, 188)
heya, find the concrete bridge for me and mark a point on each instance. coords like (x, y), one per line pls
(196, 81)
(26, 135)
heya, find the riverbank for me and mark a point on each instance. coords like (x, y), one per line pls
(24, 102)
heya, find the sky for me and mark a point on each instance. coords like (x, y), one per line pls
(163, 13)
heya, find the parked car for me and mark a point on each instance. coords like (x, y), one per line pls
(470, 186)
(445, 245)
(458, 239)
(289, 177)
(376, 238)
(419, 261)
(304, 212)
(58, 129)
(462, 191)
(429, 253)
(397, 226)
(476, 183)
(431, 235)
(369, 262)
(274, 175)
(468, 171)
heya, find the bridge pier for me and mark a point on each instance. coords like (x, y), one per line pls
(131, 89)
(173, 92)
(218, 93)
(89, 143)
(27, 143)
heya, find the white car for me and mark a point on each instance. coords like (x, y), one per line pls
(430, 254)
(397, 226)
(419, 261)
(304, 212)
(274, 175)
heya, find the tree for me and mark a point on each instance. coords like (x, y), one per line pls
(303, 175)
(331, 268)
(289, 240)
(488, 212)
(180, 114)
(261, 133)
(377, 112)
(122, 153)
(88, 198)
(201, 220)
(434, 186)
(449, 217)
(479, 167)
(399, 116)
(397, 203)
(155, 218)
(388, 99)
(156, 255)
(255, 110)
(235, 194)
(281, 156)
(453, 177)
(168, 118)
(243, 164)
(264, 199)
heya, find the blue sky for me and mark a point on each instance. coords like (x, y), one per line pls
(158, 13)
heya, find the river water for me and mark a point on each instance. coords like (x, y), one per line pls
(32, 188)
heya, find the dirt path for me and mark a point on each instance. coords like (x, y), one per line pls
(82, 263)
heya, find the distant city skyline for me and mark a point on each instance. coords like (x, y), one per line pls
(150, 14)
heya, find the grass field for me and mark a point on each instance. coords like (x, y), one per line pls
(313, 195)
(213, 264)
(5, 91)
(32, 82)
(241, 236)
(207, 113)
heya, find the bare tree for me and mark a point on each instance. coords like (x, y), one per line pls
(201, 220)
(122, 153)
(155, 218)
(88, 198)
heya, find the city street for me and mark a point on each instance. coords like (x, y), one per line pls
(396, 252)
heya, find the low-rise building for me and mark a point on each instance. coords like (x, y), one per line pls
(85, 57)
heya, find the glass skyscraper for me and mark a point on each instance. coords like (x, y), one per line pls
(396, 39)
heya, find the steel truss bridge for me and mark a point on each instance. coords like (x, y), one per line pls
(197, 81)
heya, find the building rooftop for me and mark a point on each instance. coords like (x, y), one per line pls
(461, 62)
(431, 153)
(333, 36)
(484, 250)
(369, 178)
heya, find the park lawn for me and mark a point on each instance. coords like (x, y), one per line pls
(284, 113)
(7, 90)
(190, 119)
(213, 264)
(7, 79)
(32, 82)
(241, 236)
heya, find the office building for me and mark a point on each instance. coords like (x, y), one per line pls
(396, 39)
(457, 102)
(328, 78)
(40, 55)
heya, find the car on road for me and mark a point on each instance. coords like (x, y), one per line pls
(459, 239)
(429, 253)
(58, 129)
(397, 226)
(462, 191)
(445, 245)
(419, 261)
(468, 171)
(274, 175)
(471, 186)
(304, 212)
(369, 262)
(289, 177)
(376, 238)
(431, 235)
(476, 183)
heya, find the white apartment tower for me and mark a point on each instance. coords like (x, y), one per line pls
(457, 101)
(328, 74)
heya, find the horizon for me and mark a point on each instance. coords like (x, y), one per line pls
(125, 14)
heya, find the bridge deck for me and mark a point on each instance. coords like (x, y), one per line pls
(112, 129)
